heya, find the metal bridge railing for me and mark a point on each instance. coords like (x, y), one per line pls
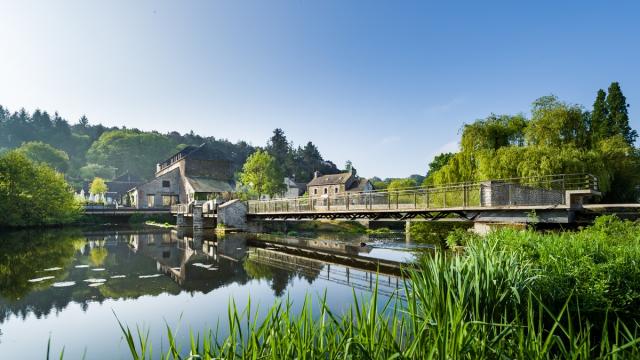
(525, 191)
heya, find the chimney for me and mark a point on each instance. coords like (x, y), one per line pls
(316, 174)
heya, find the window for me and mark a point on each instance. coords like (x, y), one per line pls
(166, 200)
(315, 191)
(166, 183)
(151, 200)
(325, 190)
(336, 190)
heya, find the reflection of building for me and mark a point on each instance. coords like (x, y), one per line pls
(331, 185)
(194, 173)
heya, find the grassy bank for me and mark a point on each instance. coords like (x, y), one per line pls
(511, 294)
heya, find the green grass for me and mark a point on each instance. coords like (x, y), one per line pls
(491, 302)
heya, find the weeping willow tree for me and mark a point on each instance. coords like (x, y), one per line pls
(557, 139)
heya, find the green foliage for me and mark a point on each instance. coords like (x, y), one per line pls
(600, 127)
(46, 154)
(91, 171)
(477, 305)
(33, 194)
(98, 186)
(131, 151)
(560, 138)
(262, 174)
(401, 184)
(617, 114)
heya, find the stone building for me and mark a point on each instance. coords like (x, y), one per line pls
(331, 185)
(194, 173)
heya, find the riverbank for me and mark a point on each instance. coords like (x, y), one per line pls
(510, 294)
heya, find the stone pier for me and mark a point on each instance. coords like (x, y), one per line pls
(198, 219)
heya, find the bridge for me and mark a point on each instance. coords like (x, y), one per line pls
(559, 199)
(553, 198)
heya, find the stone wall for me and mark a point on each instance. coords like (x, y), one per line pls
(154, 187)
(233, 214)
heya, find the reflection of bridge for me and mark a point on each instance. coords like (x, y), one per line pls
(553, 198)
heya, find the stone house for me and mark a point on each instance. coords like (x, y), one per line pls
(335, 184)
(293, 189)
(194, 173)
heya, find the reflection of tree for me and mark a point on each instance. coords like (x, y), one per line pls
(24, 254)
(257, 271)
(278, 274)
(97, 255)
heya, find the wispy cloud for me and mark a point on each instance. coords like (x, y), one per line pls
(439, 109)
(390, 140)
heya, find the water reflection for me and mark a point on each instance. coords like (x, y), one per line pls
(149, 274)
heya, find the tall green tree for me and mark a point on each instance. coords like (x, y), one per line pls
(261, 173)
(279, 147)
(555, 123)
(600, 127)
(98, 187)
(618, 114)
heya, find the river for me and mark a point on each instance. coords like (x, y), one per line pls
(67, 286)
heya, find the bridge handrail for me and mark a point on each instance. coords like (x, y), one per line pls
(554, 185)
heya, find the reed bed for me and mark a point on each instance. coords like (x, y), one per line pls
(482, 304)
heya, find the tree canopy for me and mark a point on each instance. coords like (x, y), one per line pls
(33, 193)
(46, 154)
(98, 186)
(558, 138)
(262, 175)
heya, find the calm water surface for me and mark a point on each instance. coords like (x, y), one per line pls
(68, 285)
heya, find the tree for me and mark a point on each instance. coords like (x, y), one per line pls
(618, 116)
(91, 171)
(46, 154)
(131, 151)
(261, 173)
(33, 194)
(98, 187)
(556, 123)
(600, 127)
(401, 184)
(348, 165)
(438, 162)
(279, 147)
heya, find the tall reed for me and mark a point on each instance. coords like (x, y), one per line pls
(475, 306)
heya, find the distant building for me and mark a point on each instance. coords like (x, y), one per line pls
(331, 185)
(194, 173)
(116, 190)
(293, 189)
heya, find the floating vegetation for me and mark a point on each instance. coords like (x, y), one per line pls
(118, 276)
(41, 279)
(64, 284)
(148, 276)
(53, 269)
(98, 269)
(96, 284)
(92, 280)
(81, 266)
(201, 265)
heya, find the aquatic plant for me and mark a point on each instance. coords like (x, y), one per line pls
(483, 304)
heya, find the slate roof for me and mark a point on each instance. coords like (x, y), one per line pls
(358, 185)
(334, 179)
(208, 185)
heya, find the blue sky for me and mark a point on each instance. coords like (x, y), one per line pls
(386, 84)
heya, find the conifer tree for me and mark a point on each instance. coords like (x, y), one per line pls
(600, 128)
(618, 117)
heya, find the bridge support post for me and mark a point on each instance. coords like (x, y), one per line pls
(180, 220)
(198, 219)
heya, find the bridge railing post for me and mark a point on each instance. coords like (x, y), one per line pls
(346, 201)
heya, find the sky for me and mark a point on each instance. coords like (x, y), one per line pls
(385, 84)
